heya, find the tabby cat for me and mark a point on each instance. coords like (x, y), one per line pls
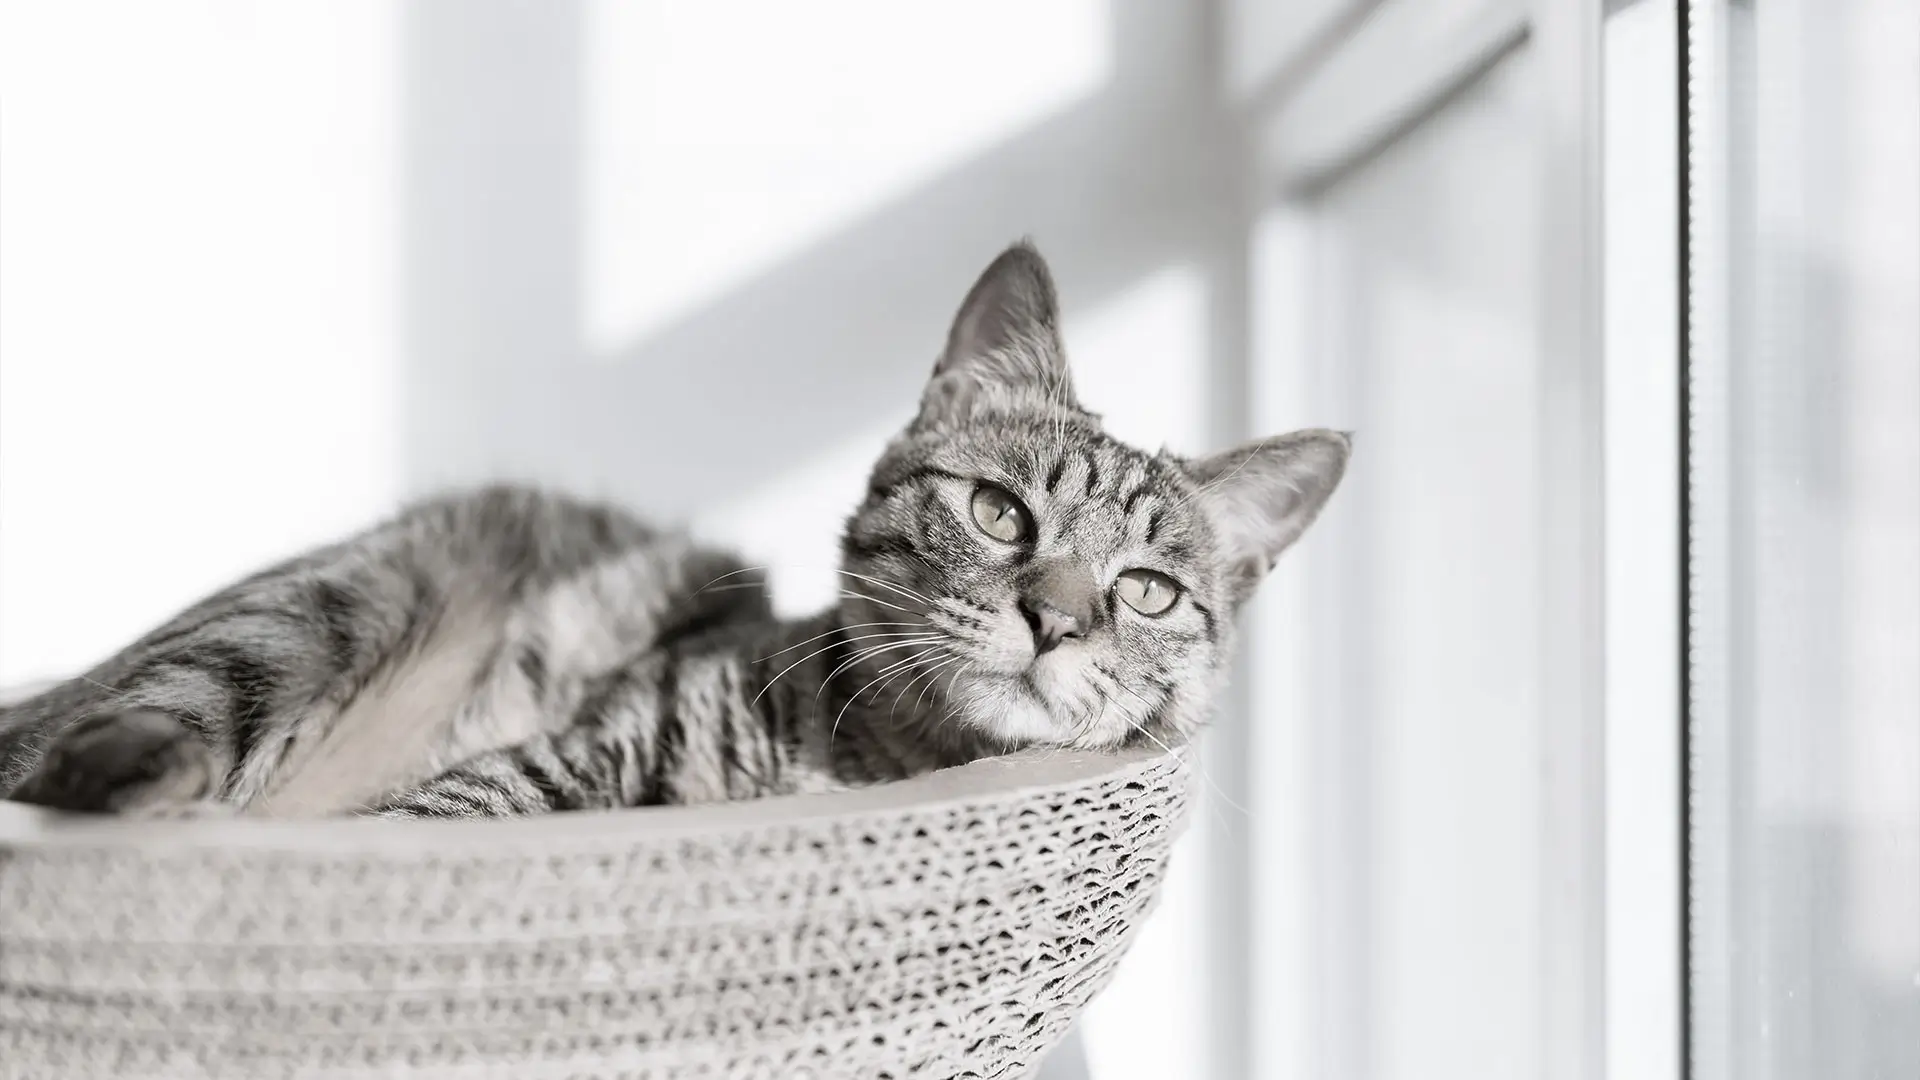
(1014, 577)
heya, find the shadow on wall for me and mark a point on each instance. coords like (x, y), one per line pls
(501, 378)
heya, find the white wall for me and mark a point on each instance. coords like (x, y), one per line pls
(200, 366)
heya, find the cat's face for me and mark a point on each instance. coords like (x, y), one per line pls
(1049, 584)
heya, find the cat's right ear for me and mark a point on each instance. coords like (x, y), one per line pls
(1005, 340)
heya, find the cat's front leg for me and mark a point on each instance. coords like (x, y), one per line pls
(675, 727)
(601, 760)
(580, 768)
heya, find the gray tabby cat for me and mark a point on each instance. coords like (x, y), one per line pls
(1014, 577)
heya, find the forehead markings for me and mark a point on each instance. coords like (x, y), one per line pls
(1206, 613)
(883, 486)
(1146, 483)
(876, 530)
(1149, 501)
(1053, 474)
(1155, 520)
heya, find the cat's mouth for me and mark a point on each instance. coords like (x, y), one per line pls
(1017, 693)
(1020, 707)
(1029, 683)
(1051, 682)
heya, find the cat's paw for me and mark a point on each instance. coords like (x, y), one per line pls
(129, 762)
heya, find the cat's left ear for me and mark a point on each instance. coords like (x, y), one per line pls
(1261, 496)
(1005, 339)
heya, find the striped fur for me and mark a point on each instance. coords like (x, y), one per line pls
(512, 651)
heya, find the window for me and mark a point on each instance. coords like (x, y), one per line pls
(1805, 571)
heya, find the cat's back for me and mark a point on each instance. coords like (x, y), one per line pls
(465, 622)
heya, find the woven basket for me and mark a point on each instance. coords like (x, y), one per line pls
(949, 925)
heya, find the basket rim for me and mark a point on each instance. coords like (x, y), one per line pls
(1009, 778)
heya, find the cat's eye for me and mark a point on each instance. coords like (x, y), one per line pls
(1001, 516)
(1147, 592)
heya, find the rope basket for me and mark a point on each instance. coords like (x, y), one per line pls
(948, 925)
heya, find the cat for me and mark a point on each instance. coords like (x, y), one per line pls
(1014, 577)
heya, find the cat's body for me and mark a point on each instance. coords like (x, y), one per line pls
(1013, 577)
(580, 637)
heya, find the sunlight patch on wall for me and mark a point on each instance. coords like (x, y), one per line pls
(198, 362)
(1140, 361)
(725, 136)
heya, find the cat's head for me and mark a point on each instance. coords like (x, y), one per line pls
(1061, 588)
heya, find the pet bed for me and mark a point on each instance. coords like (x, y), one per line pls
(948, 925)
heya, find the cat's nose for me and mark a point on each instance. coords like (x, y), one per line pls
(1050, 624)
(1057, 597)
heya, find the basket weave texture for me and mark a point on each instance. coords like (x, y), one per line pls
(947, 926)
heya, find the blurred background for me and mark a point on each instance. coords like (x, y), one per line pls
(268, 269)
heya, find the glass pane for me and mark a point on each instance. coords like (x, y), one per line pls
(1806, 572)
(1397, 679)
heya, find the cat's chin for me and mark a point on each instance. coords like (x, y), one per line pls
(1017, 710)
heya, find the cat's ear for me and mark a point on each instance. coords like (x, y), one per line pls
(1005, 339)
(1261, 496)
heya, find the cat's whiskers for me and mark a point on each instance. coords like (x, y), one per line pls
(900, 667)
(908, 638)
(953, 680)
(890, 673)
(875, 698)
(901, 589)
(850, 594)
(933, 670)
(735, 573)
(882, 679)
(1192, 759)
(1192, 762)
(909, 660)
(894, 587)
(1057, 392)
(926, 724)
(930, 685)
(830, 633)
(830, 646)
(867, 654)
(1084, 726)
